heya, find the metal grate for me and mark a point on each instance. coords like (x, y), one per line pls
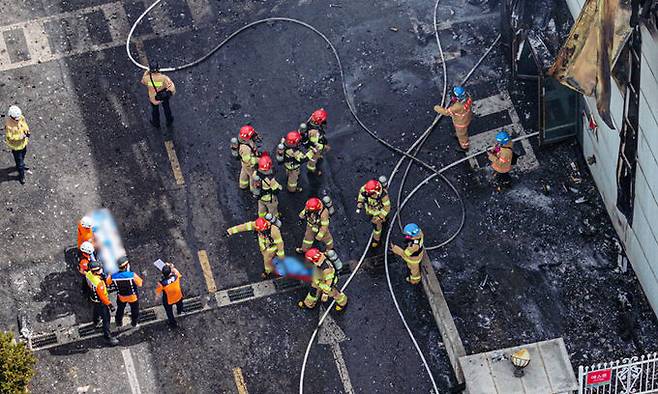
(43, 340)
(241, 293)
(285, 284)
(147, 315)
(192, 304)
(89, 329)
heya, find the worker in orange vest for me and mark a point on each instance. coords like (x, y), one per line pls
(127, 283)
(101, 300)
(85, 230)
(171, 291)
(502, 157)
(460, 110)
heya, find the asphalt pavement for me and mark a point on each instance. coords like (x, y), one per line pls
(174, 192)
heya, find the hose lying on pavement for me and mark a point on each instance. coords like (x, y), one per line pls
(406, 155)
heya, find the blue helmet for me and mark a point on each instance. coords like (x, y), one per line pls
(502, 137)
(411, 230)
(459, 92)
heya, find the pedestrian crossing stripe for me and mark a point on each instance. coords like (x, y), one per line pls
(67, 34)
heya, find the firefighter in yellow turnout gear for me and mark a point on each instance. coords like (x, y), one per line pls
(373, 196)
(270, 242)
(315, 140)
(317, 225)
(290, 154)
(324, 282)
(502, 159)
(413, 253)
(248, 154)
(265, 187)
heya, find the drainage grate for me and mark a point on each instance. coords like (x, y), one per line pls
(147, 315)
(285, 284)
(192, 304)
(241, 293)
(43, 340)
(89, 329)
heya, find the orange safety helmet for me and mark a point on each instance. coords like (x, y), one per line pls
(313, 255)
(373, 187)
(313, 204)
(247, 132)
(262, 224)
(319, 116)
(293, 138)
(265, 163)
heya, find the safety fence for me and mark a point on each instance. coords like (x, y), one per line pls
(637, 375)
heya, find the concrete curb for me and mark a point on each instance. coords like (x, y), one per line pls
(451, 339)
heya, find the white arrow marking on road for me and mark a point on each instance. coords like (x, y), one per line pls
(331, 334)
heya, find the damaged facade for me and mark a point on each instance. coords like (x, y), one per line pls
(623, 160)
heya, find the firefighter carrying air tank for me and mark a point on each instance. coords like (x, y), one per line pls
(373, 196)
(244, 147)
(290, 154)
(316, 212)
(314, 139)
(270, 242)
(324, 281)
(265, 187)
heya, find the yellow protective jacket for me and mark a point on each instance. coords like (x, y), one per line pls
(460, 112)
(380, 206)
(16, 133)
(324, 277)
(247, 152)
(414, 251)
(315, 137)
(268, 187)
(501, 161)
(268, 241)
(160, 82)
(293, 158)
(319, 223)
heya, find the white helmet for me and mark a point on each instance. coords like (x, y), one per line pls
(14, 112)
(87, 247)
(86, 222)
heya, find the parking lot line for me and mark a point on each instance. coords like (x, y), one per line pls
(207, 271)
(239, 381)
(175, 165)
(130, 370)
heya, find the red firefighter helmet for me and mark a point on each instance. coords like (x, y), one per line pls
(265, 163)
(293, 138)
(314, 204)
(373, 187)
(247, 132)
(319, 116)
(262, 224)
(313, 255)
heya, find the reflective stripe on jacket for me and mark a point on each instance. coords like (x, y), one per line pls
(98, 290)
(127, 283)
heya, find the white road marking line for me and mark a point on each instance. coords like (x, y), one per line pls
(117, 20)
(527, 162)
(130, 370)
(492, 104)
(4, 54)
(331, 334)
(239, 381)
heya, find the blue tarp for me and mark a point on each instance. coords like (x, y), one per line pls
(293, 267)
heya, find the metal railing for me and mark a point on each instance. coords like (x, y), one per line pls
(636, 375)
